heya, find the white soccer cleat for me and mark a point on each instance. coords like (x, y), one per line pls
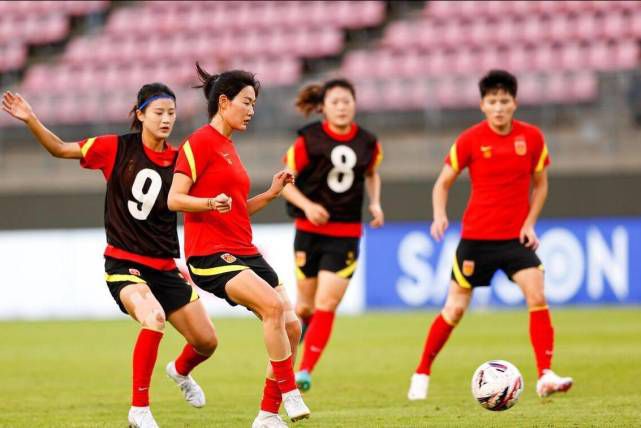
(268, 420)
(141, 417)
(418, 387)
(193, 393)
(295, 406)
(550, 383)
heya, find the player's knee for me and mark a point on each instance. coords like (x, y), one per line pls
(454, 312)
(154, 319)
(273, 310)
(328, 303)
(304, 310)
(536, 299)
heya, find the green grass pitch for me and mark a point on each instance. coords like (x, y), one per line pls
(77, 374)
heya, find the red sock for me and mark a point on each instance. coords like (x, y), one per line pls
(542, 338)
(438, 335)
(272, 396)
(317, 337)
(284, 374)
(145, 353)
(188, 359)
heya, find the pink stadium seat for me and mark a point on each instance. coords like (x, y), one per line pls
(465, 61)
(386, 64)
(447, 93)
(417, 94)
(559, 28)
(530, 91)
(12, 56)
(506, 31)
(533, 30)
(441, 9)
(438, 63)
(400, 36)
(628, 55)
(329, 41)
(635, 23)
(480, 32)
(356, 64)
(585, 86)
(395, 95)
(587, 26)
(599, 55)
(519, 58)
(411, 64)
(428, 34)
(557, 89)
(492, 58)
(523, 8)
(453, 34)
(573, 56)
(545, 57)
(615, 25)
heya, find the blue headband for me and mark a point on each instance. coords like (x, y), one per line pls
(155, 97)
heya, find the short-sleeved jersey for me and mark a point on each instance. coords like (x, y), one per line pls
(331, 171)
(501, 169)
(139, 225)
(212, 163)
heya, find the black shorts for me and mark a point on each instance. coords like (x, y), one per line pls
(213, 272)
(169, 287)
(476, 261)
(316, 252)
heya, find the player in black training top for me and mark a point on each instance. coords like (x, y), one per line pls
(142, 241)
(335, 162)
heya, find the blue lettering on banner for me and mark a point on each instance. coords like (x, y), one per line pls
(586, 262)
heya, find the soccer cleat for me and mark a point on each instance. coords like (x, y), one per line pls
(304, 380)
(550, 383)
(418, 387)
(193, 393)
(295, 406)
(268, 420)
(141, 417)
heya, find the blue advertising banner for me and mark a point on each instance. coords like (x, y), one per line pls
(587, 261)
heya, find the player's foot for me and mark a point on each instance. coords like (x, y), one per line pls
(418, 387)
(268, 420)
(193, 393)
(295, 406)
(550, 383)
(303, 380)
(141, 417)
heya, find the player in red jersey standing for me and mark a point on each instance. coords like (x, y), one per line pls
(335, 162)
(505, 158)
(141, 238)
(211, 186)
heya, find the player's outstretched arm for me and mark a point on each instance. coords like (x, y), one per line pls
(373, 187)
(441, 189)
(179, 198)
(539, 195)
(279, 181)
(18, 107)
(315, 213)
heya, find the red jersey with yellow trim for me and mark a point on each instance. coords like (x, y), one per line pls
(212, 163)
(331, 171)
(138, 223)
(501, 168)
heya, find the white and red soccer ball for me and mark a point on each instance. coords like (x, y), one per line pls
(497, 385)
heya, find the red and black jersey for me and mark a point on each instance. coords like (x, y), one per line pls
(137, 219)
(331, 170)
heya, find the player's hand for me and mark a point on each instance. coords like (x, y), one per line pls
(528, 237)
(16, 106)
(279, 181)
(439, 226)
(222, 203)
(377, 213)
(316, 214)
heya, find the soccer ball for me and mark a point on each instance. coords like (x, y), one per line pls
(497, 385)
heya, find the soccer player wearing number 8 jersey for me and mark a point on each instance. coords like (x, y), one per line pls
(335, 162)
(507, 162)
(142, 241)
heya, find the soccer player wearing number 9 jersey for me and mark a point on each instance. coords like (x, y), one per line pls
(335, 162)
(142, 240)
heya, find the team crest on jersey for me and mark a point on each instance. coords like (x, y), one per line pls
(301, 258)
(520, 146)
(133, 271)
(486, 151)
(468, 267)
(228, 258)
(226, 156)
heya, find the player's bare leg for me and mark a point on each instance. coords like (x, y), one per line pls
(458, 300)
(144, 308)
(251, 291)
(305, 302)
(531, 282)
(193, 322)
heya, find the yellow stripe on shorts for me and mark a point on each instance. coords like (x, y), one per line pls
(121, 277)
(460, 279)
(217, 270)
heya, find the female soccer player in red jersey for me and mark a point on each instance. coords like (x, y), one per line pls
(336, 163)
(142, 241)
(505, 158)
(211, 187)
